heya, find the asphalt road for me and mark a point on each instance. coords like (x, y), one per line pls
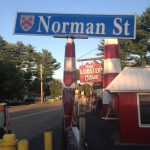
(30, 123)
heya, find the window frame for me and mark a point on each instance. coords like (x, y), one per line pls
(141, 125)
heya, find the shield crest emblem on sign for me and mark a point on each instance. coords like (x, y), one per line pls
(26, 22)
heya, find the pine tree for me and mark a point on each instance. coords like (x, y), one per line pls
(137, 52)
(55, 88)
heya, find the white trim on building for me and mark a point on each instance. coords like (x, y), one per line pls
(141, 125)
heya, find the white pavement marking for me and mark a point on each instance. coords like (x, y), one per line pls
(34, 114)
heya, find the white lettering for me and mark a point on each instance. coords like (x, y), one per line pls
(90, 70)
(118, 26)
(91, 77)
(42, 21)
(89, 29)
(56, 27)
(126, 25)
(77, 27)
(53, 26)
(65, 24)
(100, 28)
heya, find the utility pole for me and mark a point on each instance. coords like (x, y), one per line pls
(41, 75)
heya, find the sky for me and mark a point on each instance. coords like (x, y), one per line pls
(84, 47)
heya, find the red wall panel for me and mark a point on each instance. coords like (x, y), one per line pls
(130, 132)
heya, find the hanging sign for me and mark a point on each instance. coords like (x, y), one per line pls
(90, 73)
(76, 25)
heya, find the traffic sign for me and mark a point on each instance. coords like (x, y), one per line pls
(76, 25)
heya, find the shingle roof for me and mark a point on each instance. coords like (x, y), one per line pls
(131, 79)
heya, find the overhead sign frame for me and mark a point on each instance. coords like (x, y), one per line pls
(76, 25)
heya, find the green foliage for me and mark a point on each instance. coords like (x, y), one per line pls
(144, 21)
(101, 53)
(3, 44)
(27, 62)
(55, 88)
(86, 88)
(135, 52)
(11, 83)
(48, 63)
(97, 86)
(35, 86)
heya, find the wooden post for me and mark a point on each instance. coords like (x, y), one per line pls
(41, 75)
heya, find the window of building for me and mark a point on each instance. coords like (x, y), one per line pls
(144, 110)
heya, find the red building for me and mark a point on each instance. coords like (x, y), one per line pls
(131, 91)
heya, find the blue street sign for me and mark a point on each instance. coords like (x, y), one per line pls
(77, 25)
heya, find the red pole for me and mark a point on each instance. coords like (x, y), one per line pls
(69, 82)
(112, 68)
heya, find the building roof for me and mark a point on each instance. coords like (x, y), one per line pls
(131, 79)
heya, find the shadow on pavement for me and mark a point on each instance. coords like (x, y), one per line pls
(100, 135)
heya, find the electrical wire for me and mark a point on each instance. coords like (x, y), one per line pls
(88, 53)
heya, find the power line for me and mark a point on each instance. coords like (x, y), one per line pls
(88, 53)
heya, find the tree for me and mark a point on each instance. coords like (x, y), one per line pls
(3, 48)
(35, 86)
(27, 62)
(101, 53)
(86, 88)
(126, 56)
(137, 52)
(24, 58)
(48, 62)
(144, 22)
(11, 83)
(3, 43)
(55, 88)
(97, 86)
